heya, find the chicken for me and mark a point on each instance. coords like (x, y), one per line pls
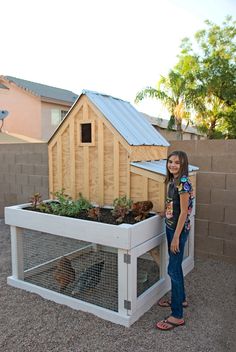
(141, 209)
(89, 278)
(155, 253)
(64, 273)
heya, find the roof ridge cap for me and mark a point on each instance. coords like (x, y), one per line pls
(85, 91)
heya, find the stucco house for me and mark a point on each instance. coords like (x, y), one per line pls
(161, 125)
(35, 109)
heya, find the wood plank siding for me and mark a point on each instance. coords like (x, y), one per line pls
(100, 169)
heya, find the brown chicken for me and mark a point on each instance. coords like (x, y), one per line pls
(64, 273)
(141, 209)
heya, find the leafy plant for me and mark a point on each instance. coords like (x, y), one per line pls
(35, 200)
(121, 208)
(65, 206)
(95, 213)
(142, 209)
(83, 203)
(44, 207)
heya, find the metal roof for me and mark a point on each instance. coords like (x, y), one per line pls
(157, 166)
(129, 122)
(44, 91)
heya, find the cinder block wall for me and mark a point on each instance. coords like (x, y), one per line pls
(23, 172)
(215, 225)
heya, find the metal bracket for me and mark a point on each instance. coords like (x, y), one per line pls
(127, 258)
(127, 305)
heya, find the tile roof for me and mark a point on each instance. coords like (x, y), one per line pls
(43, 90)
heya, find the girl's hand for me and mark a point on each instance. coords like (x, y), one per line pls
(174, 246)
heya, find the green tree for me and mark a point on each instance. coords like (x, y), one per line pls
(170, 90)
(202, 82)
(210, 71)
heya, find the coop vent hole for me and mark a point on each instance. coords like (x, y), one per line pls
(86, 133)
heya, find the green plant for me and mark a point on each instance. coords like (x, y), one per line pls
(44, 208)
(83, 203)
(121, 208)
(65, 206)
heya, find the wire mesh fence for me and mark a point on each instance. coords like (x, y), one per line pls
(148, 270)
(75, 268)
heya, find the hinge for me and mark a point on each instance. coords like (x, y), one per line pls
(127, 304)
(127, 258)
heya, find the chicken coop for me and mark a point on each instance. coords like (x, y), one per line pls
(103, 149)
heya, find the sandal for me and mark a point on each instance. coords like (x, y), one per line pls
(166, 325)
(166, 303)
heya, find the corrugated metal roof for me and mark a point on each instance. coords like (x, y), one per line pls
(43, 90)
(157, 166)
(129, 122)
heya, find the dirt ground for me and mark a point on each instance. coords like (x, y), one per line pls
(29, 323)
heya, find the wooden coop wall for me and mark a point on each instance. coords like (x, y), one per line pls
(143, 187)
(146, 185)
(100, 170)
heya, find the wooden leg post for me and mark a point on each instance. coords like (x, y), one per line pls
(17, 253)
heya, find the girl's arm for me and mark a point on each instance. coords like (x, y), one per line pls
(184, 198)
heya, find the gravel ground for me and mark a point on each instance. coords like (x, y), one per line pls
(29, 323)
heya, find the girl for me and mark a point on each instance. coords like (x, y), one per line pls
(179, 204)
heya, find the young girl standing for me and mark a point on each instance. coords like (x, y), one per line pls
(179, 204)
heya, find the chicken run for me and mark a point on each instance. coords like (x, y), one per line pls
(104, 148)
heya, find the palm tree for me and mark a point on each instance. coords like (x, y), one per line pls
(210, 113)
(171, 91)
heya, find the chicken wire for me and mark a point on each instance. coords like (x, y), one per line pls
(148, 270)
(75, 268)
(186, 248)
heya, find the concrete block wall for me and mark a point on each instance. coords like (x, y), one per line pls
(215, 221)
(23, 172)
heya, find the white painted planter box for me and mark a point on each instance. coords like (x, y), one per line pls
(128, 242)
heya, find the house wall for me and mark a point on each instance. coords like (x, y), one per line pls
(171, 135)
(47, 127)
(24, 111)
(215, 223)
(23, 172)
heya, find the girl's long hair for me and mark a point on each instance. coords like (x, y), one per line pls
(183, 171)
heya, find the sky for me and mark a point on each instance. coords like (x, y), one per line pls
(115, 47)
